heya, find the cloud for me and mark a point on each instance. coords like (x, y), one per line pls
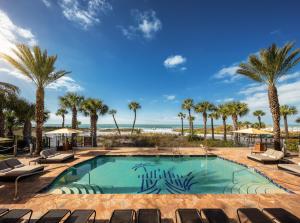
(224, 100)
(146, 24)
(47, 3)
(174, 61)
(169, 97)
(65, 83)
(289, 77)
(228, 74)
(87, 14)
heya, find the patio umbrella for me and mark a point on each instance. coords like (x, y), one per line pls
(5, 139)
(253, 131)
(63, 131)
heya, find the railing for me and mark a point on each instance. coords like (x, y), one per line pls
(237, 171)
(89, 174)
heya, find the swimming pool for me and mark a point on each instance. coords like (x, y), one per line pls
(161, 175)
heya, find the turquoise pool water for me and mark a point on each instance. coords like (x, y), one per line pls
(161, 175)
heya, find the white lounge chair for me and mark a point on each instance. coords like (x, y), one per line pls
(52, 156)
(13, 168)
(293, 168)
(270, 156)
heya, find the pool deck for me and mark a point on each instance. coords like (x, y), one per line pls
(104, 204)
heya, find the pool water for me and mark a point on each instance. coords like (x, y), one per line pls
(161, 175)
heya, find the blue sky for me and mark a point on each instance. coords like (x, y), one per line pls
(154, 52)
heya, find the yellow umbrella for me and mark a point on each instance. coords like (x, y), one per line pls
(63, 131)
(253, 131)
(5, 139)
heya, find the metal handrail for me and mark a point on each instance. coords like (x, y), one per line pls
(237, 171)
(89, 174)
(16, 197)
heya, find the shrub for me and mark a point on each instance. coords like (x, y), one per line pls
(292, 145)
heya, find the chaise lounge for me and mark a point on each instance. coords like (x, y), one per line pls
(268, 157)
(52, 156)
(12, 168)
(291, 168)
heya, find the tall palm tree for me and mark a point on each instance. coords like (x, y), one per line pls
(113, 112)
(191, 120)
(237, 109)
(181, 116)
(6, 90)
(62, 111)
(73, 102)
(271, 64)
(204, 107)
(259, 114)
(92, 107)
(188, 104)
(213, 116)
(285, 111)
(223, 110)
(36, 65)
(134, 106)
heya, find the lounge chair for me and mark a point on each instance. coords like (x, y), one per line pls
(291, 168)
(81, 216)
(15, 215)
(148, 216)
(214, 215)
(188, 216)
(12, 168)
(252, 215)
(52, 156)
(268, 157)
(122, 216)
(3, 211)
(281, 215)
(54, 216)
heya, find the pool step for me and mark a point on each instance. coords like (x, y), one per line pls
(79, 189)
(251, 188)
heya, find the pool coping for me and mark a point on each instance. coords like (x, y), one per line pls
(46, 188)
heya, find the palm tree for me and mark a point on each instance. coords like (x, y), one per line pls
(214, 115)
(237, 109)
(36, 65)
(181, 116)
(297, 120)
(271, 64)
(247, 124)
(204, 107)
(191, 120)
(134, 106)
(285, 111)
(92, 107)
(259, 114)
(73, 102)
(113, 112)
(223, 110)
(6, 90)
(62, 112)
(188, 104)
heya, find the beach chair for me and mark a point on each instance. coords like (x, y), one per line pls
(52, 156)
(188, 216)
(54, 216)
(122, 216)
(214, 215)
(15, 215)
(148, 216)
(268, 157)
(3, 211)
(281, 215)
(12, 168)
(290, 168)
(252, 215)
(81, 216)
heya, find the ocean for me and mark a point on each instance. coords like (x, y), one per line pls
(125, 126)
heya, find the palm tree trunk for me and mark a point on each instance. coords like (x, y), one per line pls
(204, 122)
(2, 123)
(74, 124)
(224, 129)
(190, 122)
(116, 125)
(93, 130)
(259, 122)
(39, 118)
(27, 131)
(63, 121)
(275, 110)
(286, 127)
(133, 122)
(182, 126)
(235, 124)
(212, 128)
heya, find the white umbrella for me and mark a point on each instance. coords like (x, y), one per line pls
(253, 131)
(63, 131)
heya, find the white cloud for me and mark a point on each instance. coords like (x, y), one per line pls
(228, 74)
(85, 15)
(146, 24)
(289, 76)
(174, 61)
(224, 100)
(67, 83)
(169, 97)
(47, 3)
